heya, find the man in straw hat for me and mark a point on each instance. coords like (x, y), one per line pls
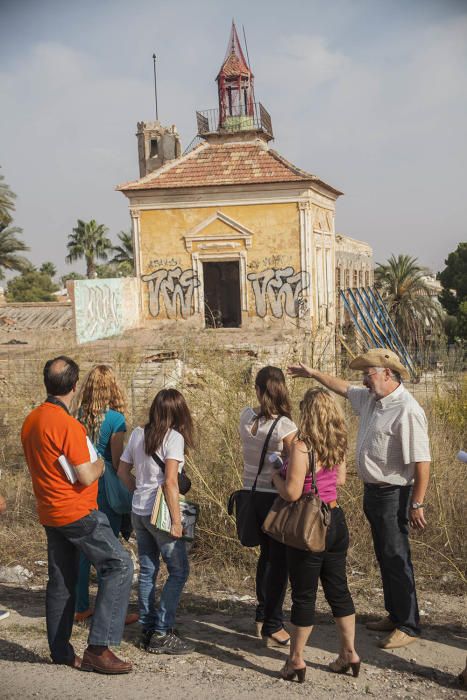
(393, 460)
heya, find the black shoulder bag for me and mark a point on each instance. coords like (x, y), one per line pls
(184, 481)
(248, 529)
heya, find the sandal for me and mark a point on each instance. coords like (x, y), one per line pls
(341, 666)
(289, 674)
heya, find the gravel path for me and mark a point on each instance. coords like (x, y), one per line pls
(230, 662)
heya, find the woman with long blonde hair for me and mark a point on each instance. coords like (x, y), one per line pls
(321, 441)
(101, 409)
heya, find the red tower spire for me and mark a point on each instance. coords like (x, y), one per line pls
(235, 86)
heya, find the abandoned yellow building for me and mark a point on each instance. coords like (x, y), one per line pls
(231, 234)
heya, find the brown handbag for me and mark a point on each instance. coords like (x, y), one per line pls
(301, 524)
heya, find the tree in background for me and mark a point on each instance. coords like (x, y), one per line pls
(10, 247)
(10, 244)
(88, 241)
(31, 285)
(111, 269)
(49, 269)
(454, 295)
(7, 203)
(123, 253)
(71, 276)
(407, 295)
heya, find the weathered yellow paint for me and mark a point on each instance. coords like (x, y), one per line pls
(275, 241)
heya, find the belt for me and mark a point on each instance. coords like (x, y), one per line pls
(381, 485)
(332, 504)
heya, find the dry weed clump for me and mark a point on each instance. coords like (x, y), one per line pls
(218, 384)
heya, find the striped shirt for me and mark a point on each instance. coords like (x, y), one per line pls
(392, 436)
(253, 446)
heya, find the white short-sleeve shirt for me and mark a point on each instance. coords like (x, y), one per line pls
(392, 436)
(149, 476)
(252, 446)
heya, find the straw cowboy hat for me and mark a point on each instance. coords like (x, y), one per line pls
(380, 357)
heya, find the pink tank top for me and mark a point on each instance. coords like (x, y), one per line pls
(326, 483)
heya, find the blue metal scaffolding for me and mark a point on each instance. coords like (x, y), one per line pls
(373, 324)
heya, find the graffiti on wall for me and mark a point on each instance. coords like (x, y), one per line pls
(164, 262)
(98, 309)
(172, 289)
(282, 289)
(275, 261)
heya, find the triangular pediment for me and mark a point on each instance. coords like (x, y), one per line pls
(218, 228)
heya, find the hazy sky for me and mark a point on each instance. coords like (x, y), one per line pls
(371, 95)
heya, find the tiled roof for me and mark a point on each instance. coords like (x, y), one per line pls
(230, 163)
(234, 66)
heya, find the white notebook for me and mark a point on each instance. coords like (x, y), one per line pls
(68, 467)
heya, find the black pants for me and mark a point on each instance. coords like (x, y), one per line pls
(387, 510)
(271, 572)
(306, 568)
(92, 537)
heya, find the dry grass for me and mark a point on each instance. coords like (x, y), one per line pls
(217, 385)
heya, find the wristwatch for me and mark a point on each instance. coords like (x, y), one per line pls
(416, 506)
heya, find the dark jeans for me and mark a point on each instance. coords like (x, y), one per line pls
(306, 568)
(93, 537)
(115, 522)
(271, 572)
(387, 511)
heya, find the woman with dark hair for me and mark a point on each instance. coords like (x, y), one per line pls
(163, 440)
(255, 424)
(322, 441)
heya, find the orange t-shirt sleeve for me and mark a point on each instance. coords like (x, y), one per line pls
(75, 446)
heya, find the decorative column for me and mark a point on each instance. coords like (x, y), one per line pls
(137, 262)
(135, 231)
(304, 208)
(198, 296)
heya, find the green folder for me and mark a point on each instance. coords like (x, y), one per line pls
(161, 519)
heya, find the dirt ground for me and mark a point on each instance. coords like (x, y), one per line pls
(229, 661)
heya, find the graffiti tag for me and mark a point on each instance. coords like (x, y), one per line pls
(282, 289)
(174, 288)
(98, 311)
(164, 262)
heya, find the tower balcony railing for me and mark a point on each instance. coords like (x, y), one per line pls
(238, 119)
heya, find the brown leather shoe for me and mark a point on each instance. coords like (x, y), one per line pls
(383, 625)
(396, 640)
(75, 662)
(131, 618)
(104, 661)
(83, 615)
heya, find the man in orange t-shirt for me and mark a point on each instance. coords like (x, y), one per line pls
(68, 512)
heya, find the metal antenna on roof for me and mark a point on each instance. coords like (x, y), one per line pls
(246, 47)
(155, 85)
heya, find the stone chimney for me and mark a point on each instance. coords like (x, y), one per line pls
(157, 144)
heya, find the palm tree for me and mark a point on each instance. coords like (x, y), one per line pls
(7, 204)
(48, 268)
(88, 241)
(406, 292)
(10, 246)
(123, 252)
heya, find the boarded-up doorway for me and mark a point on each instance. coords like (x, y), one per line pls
(222, 294)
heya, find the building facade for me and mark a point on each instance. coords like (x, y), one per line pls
(231, 234)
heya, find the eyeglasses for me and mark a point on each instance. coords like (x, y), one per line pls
(369, 374)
